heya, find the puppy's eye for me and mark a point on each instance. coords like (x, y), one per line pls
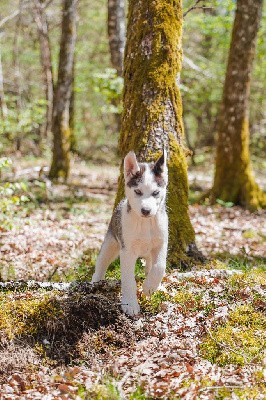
(138, 192)
(155, 193)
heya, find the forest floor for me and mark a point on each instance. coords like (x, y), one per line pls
(201, 336)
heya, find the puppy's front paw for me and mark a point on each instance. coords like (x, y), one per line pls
(149, 287)
(130, 308)
(95, 278)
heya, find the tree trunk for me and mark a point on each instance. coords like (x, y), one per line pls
(73, 140)
(116, 33)
(46, 61)
(3, 106)
(17, 76)
(152, 116)
(234, 179)
(61, 104)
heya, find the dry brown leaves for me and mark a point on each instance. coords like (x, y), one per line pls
(166, 360)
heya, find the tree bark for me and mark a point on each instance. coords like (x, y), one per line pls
(3, 106)
(17, 75)
(73, 141)
(116, 33)
(46, 60)
(152, 115)
(234, 180)
(61, 104)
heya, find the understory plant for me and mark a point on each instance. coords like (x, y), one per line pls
(11, 195)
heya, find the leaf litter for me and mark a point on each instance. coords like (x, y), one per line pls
(157, 352)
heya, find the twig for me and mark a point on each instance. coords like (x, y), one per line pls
(195, 6)
(9, 17)
(224, 345)
(222, 387)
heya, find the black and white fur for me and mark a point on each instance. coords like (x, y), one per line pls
(138, 228)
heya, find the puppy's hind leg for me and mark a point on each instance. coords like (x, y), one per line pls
(108, 253)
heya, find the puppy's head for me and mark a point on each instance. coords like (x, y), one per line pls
(145, 184)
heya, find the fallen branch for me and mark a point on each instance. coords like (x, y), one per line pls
(76, 286)
(223, 387)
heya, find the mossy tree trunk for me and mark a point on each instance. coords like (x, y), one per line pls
(234, 179)
(62, 96)
(152, 116)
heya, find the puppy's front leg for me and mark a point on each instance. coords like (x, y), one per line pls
(130, 304)
(157, 271)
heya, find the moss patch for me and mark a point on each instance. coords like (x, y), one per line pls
(153, 303)
(25, 314)
(240, 341)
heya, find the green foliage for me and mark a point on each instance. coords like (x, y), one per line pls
(25, 124)
(97, 89)
(153, 303)
(226, 204)
(11, 195)
(139, 394)
(106, 390)
(110, 86)
(241, 340)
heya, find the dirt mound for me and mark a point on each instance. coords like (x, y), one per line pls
(87, 325)
(61, 328)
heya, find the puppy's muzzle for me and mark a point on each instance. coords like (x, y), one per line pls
(145, 212)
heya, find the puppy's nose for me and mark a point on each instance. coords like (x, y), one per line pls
(145, 211)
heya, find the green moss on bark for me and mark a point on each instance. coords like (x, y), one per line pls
(61, 152)
(152, 116)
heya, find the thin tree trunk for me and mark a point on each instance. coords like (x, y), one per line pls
(152, 116)
(234, 180)
(17, 75)
(73, 141)
(116, 33)
(3, 106)
(46, 60)
(60, 125)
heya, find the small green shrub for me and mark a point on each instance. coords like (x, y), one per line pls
(11, 195)
(106, 390)
(153, 303)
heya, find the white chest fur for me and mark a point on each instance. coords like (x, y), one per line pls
(141, 235)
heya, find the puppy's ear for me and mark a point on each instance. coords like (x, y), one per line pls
(131, 166)
(160, 166)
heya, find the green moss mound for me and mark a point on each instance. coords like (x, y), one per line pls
(240, 341)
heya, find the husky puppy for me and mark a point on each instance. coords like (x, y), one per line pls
(138, 228)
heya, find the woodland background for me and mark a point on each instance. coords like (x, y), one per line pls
(206, 40)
